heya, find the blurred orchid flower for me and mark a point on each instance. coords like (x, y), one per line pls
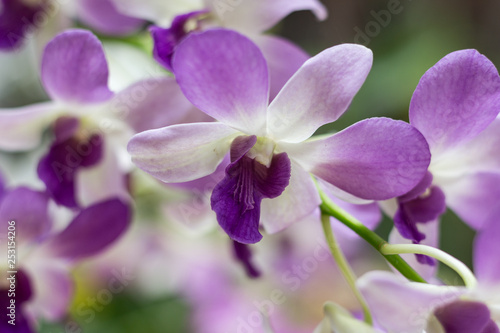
(339, 320)
(20, 18)
(454, 106)
(45, 252)
(251, 18)
(87, 161)
(225, 75)
(401, 306)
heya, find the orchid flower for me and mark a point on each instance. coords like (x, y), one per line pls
(45, 252)
(225, 75)
(251, 18)
(20, 18)
(87, 160)
(454, 106)
(401, 306)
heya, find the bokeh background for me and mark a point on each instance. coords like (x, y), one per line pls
(404, 46)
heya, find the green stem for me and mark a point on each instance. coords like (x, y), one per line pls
(458, 266)
(328, 207)
(344, 267)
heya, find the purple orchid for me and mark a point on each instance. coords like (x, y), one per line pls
(251, 18)
(402, 306)
(454, 106)
(225, 75)
(19, 19)
(91, 124)
(45, 255)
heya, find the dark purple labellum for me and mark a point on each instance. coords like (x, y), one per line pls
(466, 317)
(58, 168)
(236, 199)
(166, 40)
(243, 254)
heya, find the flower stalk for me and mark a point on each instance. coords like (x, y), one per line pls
(344, 266)
(452, 262)
(328, 207)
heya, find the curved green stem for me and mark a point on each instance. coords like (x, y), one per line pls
(455, 264)
(344, 267)
(328, 207)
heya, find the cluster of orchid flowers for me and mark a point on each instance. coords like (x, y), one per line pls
(233, 113)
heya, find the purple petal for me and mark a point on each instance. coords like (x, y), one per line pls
(456, 99)
(92, 230)
(181, 153)
(22, 128)
(166, 40)
(243, 254)
(422, 209)
(22, 294)
(17, 21)
(401, 306)
(421, 187)
(236, 199)
(473, 197)
(257, 16)
(157, 102)
(29, 210)
(486, 249)
(375, 159)
(299, 200)
(103, 16)
(58, 168)
(283, 60)
(225, 75)
(319, 93)
(102, 181)
(52, 284)
(74, 68)
(466, 317)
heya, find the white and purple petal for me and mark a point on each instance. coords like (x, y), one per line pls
(92, 230)
(74, 68)
(103, 16)
(473, 197)
(375, 159)
(32, 220)
(225, 75)
(283, 60)
(22, 128)
(257, 16)
(155, 103)
(486, 249)
(319, 92)
(159, 11)
(298, 201)
(456, 99)
(401, 306)
(181, 153)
